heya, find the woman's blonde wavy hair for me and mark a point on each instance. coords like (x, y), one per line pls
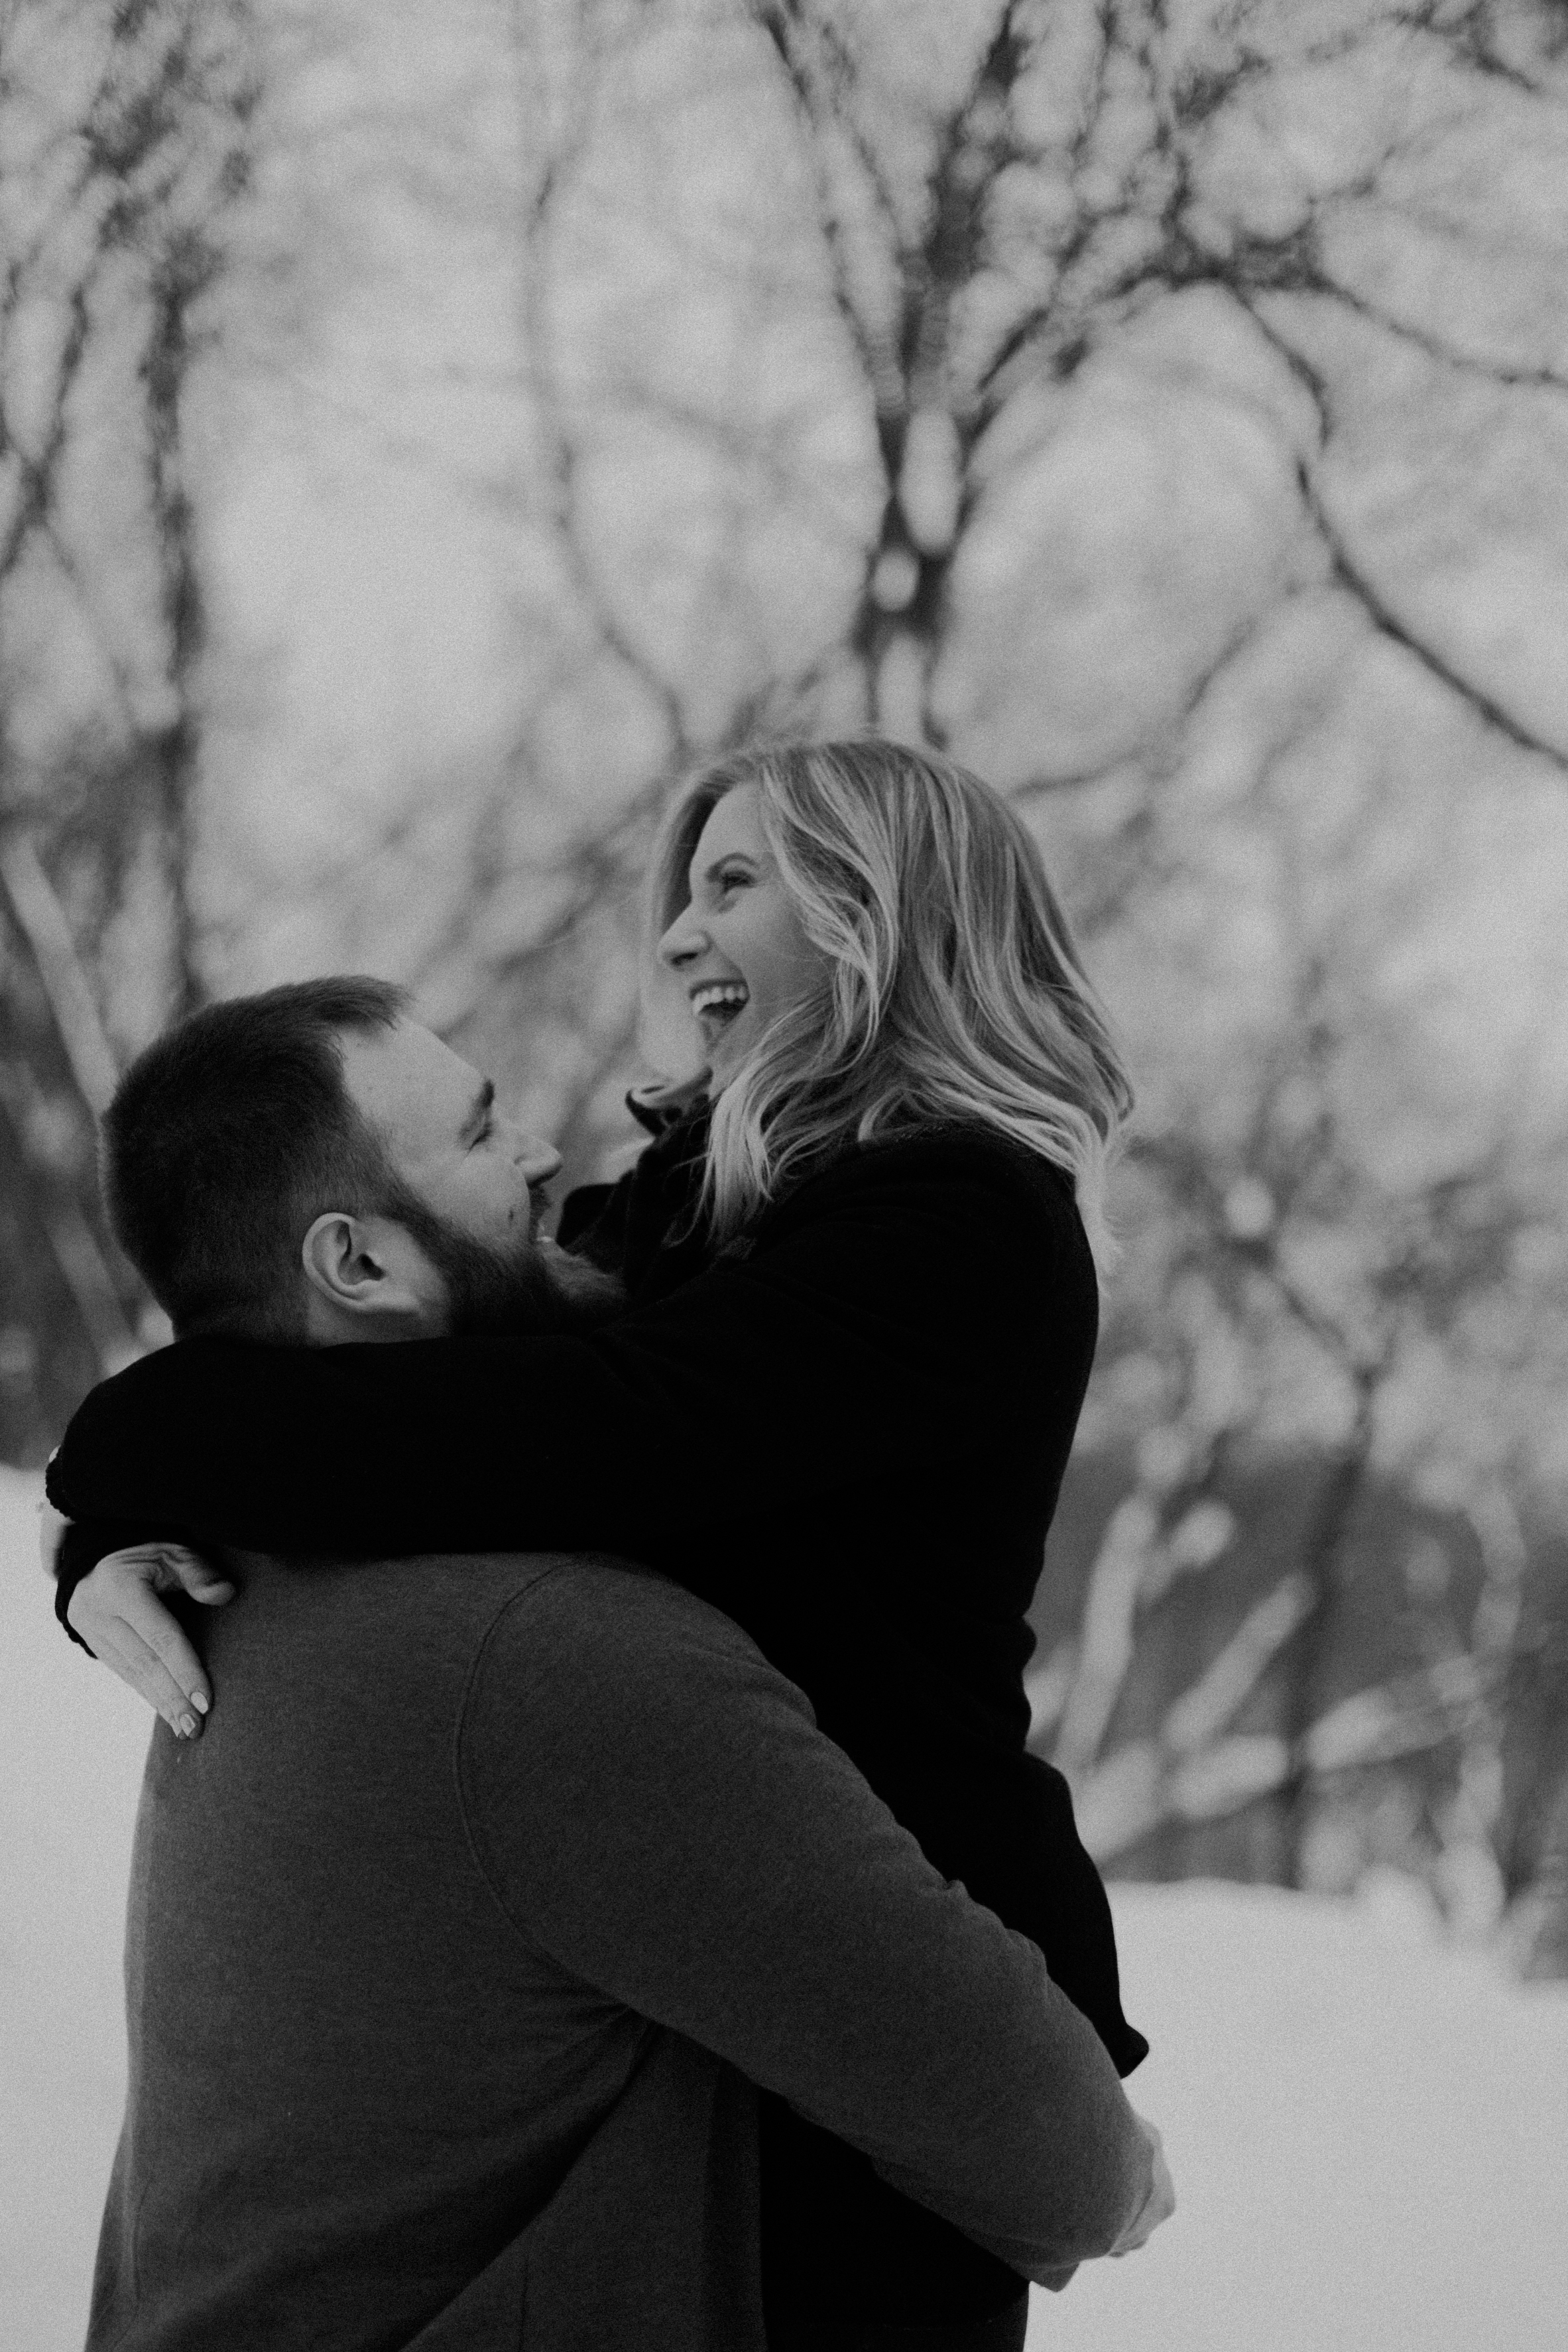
(954, 990)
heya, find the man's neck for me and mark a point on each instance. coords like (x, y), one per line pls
(330, 1325)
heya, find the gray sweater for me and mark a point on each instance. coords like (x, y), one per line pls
(457, 1942)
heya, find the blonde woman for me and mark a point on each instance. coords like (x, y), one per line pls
(862, 1303)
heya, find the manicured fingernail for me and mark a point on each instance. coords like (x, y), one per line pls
(188, 1726)
(199, 1701)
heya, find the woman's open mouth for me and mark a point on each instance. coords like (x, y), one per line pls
(716, 1005)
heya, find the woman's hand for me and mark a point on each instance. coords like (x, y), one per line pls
(117, 1612)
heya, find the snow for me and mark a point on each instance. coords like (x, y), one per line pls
(1366, 2130)
(1366, 2124)
(72, 1741)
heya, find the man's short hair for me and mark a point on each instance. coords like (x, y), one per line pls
(229, 1135)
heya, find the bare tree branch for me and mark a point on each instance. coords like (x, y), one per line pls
(41, 919)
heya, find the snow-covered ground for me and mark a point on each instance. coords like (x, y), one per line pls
(1369, 2130)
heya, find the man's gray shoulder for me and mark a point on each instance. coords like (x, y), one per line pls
(444, 1610)
(610, 1718)
(600, 1624)
(600, 1672)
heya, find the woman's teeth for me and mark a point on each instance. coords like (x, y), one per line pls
(722, 1000)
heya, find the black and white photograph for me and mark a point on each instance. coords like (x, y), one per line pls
(783, 1175)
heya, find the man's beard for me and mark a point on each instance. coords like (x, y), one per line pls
(518, 1290)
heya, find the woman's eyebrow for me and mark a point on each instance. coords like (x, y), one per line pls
(730, 858)
(482, 1101)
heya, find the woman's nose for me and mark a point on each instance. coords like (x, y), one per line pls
(685, 938)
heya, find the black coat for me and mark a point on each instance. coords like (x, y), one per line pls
(847, 1430)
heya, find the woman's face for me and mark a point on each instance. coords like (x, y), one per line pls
(738, 946)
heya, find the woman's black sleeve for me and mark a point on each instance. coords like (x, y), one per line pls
(869, 1326)
(592, 1222)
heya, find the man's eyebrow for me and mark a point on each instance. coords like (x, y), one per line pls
(482, 1101)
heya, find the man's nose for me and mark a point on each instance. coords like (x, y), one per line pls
(536, 1159)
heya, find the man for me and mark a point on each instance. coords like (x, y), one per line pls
(459, 1941)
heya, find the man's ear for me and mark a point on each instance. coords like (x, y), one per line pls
(343, 1263)
(336, 1261)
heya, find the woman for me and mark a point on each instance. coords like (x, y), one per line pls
(862, 1311)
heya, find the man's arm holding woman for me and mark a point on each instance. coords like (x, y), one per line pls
(750, 1892)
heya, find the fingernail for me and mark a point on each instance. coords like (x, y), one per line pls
(199, 1701)
(188, 1726)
